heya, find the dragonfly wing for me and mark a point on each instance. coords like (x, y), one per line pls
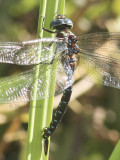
(100, 69)
(21, 86)
(16, 88)
(30, 52)
(105, 44)
(64, 74)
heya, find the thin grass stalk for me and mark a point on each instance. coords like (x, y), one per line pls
(116, 152)
(40, 113)
(34, 146)
(49, 107)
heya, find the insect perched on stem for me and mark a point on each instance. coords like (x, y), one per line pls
(62, 25)
(98, 55)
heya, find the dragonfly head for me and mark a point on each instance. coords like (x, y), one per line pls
(61, 23)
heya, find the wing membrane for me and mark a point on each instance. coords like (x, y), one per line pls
(105, 44)
(99, 58)
(27, 53)
(21, 86)
(99, 70)
(99, 61)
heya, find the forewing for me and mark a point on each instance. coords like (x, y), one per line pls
(30, 52)
(99, 58)
(104, 44)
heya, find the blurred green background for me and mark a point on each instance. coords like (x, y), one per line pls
(90, 128)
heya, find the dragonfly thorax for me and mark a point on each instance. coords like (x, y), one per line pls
(72, 48)
(61, 23)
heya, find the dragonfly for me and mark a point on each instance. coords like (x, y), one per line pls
(97, 54)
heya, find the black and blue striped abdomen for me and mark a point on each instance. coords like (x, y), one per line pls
(59, 113)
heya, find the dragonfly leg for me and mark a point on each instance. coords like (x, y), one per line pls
(45, 29)
(59, 113)
(43, 25)
(54, 56)
(46, 47)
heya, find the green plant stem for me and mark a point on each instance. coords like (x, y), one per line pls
(40, 113)
(116, 152)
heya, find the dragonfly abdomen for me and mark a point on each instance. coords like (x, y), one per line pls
(59, 113)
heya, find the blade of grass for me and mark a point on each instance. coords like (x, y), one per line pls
(49, 106)
(34, 149)
(61, 7)
(116, 153)
(40, 111)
